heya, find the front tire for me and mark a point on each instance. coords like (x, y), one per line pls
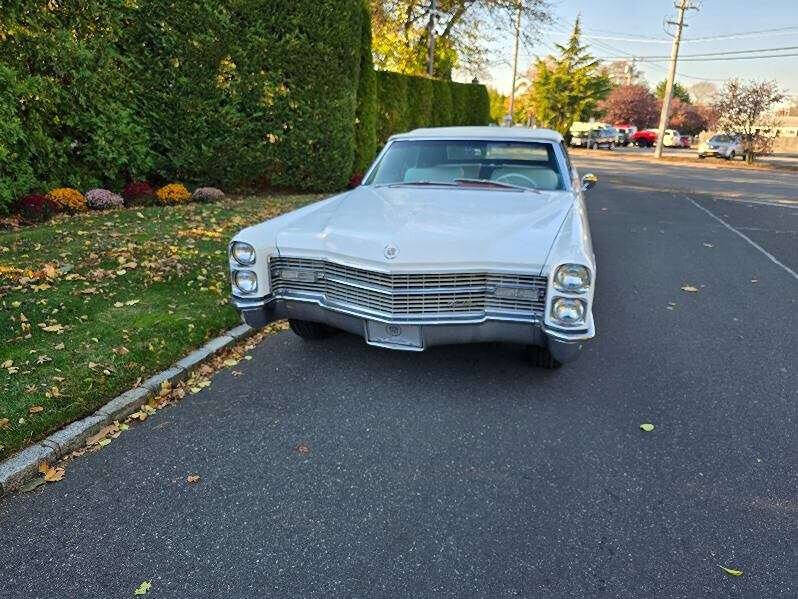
(541, 357)
(310, 331)
(731, 155)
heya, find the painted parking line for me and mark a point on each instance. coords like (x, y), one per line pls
(770, 256)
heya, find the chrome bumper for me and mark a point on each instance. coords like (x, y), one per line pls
(564, 346)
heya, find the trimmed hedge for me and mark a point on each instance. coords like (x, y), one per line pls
(218, 92)
(408, 102)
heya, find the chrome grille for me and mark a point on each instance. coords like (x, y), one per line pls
(413, 295)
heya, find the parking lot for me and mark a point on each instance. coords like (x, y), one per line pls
(462, 471)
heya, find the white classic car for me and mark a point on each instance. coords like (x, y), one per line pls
(456, 235)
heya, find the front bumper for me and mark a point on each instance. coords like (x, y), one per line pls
(564, 346)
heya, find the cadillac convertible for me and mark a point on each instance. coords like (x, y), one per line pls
(456, 235)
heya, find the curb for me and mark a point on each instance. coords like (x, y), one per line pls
(23, 466)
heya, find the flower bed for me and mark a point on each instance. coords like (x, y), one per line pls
(174, 193)
(102, 199)
(67, 199)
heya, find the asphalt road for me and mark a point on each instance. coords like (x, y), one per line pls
(462, 471)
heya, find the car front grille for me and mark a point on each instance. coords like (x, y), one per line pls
(414, 295)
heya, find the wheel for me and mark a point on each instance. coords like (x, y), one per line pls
(611, 146)
(731, 155)
(701, 156)
(310, 330)
(542, 358)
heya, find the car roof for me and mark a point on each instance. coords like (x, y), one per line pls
(483, 133)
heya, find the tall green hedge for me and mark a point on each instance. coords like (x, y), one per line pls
(226, 92)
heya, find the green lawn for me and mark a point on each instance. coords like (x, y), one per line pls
(93, 303)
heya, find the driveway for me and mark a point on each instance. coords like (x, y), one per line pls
(336, 469)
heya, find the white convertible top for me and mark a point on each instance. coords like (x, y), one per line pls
(489, 133)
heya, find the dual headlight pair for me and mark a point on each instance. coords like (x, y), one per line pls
(245, 281)
(570, 278)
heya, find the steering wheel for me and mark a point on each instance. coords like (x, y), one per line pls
(502, 178)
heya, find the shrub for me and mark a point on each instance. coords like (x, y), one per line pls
(68, 199)
(138, 193)
(100, 199)
(207, 194)
(174, 193)
(366, 115)
(35, 208)
(392, 94)
(419, 102)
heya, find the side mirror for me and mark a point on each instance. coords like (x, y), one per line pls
(589, 181)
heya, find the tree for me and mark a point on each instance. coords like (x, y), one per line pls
(632, 104)
(703, 92)
(678, 92)
(746, 108)
(498, 105)
(567, 87)
(687, 118)
(465, 30)
(623, 72)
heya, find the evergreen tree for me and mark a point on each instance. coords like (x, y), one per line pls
(568, 87)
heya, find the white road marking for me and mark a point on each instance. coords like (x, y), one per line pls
(770, 256)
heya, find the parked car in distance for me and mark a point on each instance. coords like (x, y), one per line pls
(621, 138)
(686, 141)
(603, 137)
(672, 138)
(628, 131)
(644, 138)
(722, 145)
(456, 235)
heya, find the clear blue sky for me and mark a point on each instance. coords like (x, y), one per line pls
(644, 19)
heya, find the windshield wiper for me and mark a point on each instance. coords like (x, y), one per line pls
(408, 183)
(495, 184)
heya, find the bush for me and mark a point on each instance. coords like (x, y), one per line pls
(366, 115)
(207, 194)
(36, 208)
(442, 109)
(67, 199)
(173, 193)
(138, 193)
(419, 102)
(393, 106)
(101, 199)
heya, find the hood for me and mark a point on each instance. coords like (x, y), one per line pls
(425, 228)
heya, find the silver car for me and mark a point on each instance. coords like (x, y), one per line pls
(723, 146)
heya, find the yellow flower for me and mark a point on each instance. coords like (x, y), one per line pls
(67, 198)
(174, 193)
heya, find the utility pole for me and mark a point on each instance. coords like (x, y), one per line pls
(515, 62)
(433, 12)
(682, 6)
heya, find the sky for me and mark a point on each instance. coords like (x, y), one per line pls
(636, 27)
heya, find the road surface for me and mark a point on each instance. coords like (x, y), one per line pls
(462, 471)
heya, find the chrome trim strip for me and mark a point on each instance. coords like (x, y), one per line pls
(400, 291)
(459, 318)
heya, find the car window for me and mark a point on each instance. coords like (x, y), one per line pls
(721, 139)
(526, 164)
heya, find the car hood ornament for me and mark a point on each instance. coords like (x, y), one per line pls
(391, 251)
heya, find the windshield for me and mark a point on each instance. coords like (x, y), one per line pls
(721, 139)
(530, 165)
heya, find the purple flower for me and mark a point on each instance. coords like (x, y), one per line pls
(101, 199)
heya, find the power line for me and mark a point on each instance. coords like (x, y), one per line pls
(729, 36)
(702, 54)
(724, 58)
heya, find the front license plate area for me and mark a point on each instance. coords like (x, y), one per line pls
(398, 336)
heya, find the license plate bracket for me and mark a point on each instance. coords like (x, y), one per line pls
(396, 336)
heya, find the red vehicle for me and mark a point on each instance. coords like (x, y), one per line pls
(645, 138)
(687, 141)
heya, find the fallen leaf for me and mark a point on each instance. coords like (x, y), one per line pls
(4, 423)
(35, 409)
(647, 426)
(118, 304)
(689, 289)
(132, 302)
(7, 364)
(230, 362)
(708, 245)
(193, 478)
(52, 474)
(143, 588)
(731, 571)
(302, 448)
(103, 442)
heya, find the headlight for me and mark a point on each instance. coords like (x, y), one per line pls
(243, 253)
(245, 280)
(568, 311)
(572, 278)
